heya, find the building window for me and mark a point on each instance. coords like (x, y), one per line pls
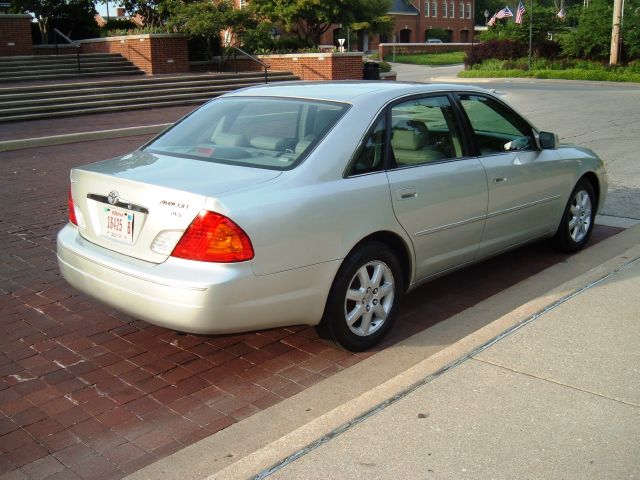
(427, 8)
(434, 10)
(468, 10)
(452, 9)
(444, 9)
(461, 9)
(243, 3)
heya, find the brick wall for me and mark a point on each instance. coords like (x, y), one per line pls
(318, 66)
(308, 66)
(152, 53)
(386, 49)
(15, 35)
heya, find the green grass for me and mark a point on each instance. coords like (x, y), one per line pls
(570, 74)
(545, 69)
(432, 59)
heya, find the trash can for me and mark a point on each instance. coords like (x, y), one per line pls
(371, 71)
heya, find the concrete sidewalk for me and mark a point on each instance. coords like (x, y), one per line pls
(539, 381)
(557, 398)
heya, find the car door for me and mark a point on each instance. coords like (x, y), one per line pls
(438, 192)
(525, 183)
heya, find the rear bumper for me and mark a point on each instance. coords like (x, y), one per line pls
(192, 296)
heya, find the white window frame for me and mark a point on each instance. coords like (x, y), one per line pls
(445, 9)
(434, 12)
(461, 9)
(468, 10)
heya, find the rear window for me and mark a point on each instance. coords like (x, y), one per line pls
(273, 133)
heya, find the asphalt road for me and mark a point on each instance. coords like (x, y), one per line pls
(602, 116)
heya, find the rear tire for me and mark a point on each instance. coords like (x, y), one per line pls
(577, 221)
(363, 300)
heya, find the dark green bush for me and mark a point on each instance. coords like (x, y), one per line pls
(496, 49)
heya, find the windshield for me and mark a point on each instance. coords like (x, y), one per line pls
(273, 133)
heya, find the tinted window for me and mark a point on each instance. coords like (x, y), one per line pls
(496, 127)
(424, 131)
(261, 132)
(370, 155)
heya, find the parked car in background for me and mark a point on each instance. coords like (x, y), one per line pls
(319, 204)
(434, 40)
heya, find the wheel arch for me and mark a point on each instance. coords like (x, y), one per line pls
(592, 178)
(398, 246)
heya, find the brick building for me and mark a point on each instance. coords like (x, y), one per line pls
(412, 21)
(414, 18)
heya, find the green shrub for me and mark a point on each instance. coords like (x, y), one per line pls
(384, 67)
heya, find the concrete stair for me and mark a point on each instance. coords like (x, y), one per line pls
(58, 67)
(30, 102)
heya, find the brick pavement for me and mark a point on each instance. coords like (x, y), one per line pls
(87, 392)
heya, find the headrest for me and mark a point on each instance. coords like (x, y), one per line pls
(268, 143)
(409, 135)
(229, 139)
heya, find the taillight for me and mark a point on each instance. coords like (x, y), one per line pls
(212, 237)
(72, 210)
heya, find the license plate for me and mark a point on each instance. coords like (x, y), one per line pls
(118, 224)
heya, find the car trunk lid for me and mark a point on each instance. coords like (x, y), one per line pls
(140, 204)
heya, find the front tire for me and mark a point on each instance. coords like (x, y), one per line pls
(578, 218)
(363, 300)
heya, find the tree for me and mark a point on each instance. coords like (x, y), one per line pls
(153, 12)
(631, 29)
(592, 37)
(74, 16)
(206, 19)
(545, 22)
(309, 19)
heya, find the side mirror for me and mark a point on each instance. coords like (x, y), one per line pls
(547, 140)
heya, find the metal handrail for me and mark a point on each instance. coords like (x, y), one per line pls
(58, 33)
(251, 57)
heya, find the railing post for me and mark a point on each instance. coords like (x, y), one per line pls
(266, 79)
(235, 61)
(78, 57)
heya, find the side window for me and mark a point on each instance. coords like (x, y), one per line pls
(424, 131)
(497, 129)
(371, 154)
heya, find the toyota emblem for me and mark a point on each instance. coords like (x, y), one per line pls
(113, 197)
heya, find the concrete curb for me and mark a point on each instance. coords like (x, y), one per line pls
(10, 145)
(249, 447)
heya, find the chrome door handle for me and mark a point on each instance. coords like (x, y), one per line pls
(499, 179)
(406, 193)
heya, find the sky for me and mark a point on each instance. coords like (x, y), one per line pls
(102, 8)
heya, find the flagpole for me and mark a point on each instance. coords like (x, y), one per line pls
(530, 33)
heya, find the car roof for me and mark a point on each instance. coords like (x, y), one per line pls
(347, 91)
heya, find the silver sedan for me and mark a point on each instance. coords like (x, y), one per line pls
(319, 204)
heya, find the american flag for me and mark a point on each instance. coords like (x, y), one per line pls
(504, 13)
(520, 12)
